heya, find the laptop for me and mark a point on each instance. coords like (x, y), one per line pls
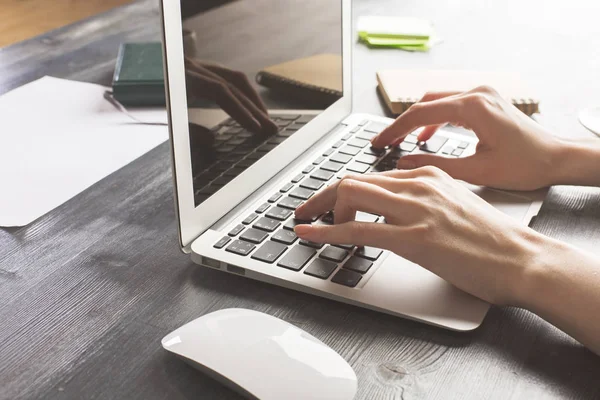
(236, 190)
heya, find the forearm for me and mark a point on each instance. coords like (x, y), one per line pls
(577, 163)
(563, 287)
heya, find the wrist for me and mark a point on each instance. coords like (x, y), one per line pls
(576, 162)
(530, 267)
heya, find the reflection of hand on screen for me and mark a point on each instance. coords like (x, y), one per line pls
(232, 91)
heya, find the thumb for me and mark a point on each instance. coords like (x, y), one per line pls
(458, 168)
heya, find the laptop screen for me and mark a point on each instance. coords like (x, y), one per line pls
(257, 71)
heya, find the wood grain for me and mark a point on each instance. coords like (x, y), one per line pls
(24, 19)
(88, 290)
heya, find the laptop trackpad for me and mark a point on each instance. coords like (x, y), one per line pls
(513, 204)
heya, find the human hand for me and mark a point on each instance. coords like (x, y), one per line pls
(433, 221)
(232, 91)
(514, 152)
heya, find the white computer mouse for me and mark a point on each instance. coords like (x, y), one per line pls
(262, 357)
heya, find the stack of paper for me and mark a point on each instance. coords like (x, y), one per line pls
(412, 34)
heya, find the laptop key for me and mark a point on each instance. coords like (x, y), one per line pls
(264, 207)
(290, 202)
(370, 253)
(291, 224)
(297, 258)
(434, 144)
(275, 197)
(360, 143)
(365, 135)
(348, 247)
(347, 278)
(279, 213)
(358, 264)
(411, 139)
(362, 216)
(328, 152)
(249, 219)
(222, 242)
(347, 136)
(269, 252)
(284, 236)
(341, 158)
(254, 236)
(463, 145)
(322, 175)
(308, 243)
(374, 151)
(352, 151)
(266, 224)
(337, 144)
(297, 178)
(375, 127)
(301, 193)
(332, 166)
(320, 268)
(457, 152)
(236, 230)
(358, 167)
(240, 247)
(311, 184)
(407, 146)
(286, 188)
(308, 169)
(319, 160)
(333, 254)
(367, 159)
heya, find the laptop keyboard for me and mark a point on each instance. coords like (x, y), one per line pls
(267, 233)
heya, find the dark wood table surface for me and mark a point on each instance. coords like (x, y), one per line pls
(88, 290)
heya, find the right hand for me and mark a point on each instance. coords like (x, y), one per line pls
(232, 91)
(514, 152)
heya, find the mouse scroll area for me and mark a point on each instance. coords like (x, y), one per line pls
(260, 356)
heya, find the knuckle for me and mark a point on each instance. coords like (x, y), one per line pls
(429, 170)
(485, 89)
(346, 187)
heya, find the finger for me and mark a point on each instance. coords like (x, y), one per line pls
(354, 195)
(430, 96)
(241, 81)
(220, 92)
(325, 200)
(434, 112)
(465, 169)
(358, 233)
(428, 132)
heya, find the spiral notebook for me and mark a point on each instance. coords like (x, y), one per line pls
(316, 79)
(402, 88)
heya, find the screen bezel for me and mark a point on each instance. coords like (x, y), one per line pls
(192, 220)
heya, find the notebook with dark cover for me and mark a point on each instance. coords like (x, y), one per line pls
(315, 79)
(138, 78)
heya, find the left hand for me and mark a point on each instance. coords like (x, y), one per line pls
(431, 220)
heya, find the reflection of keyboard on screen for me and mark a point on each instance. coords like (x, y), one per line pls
(271, 225)
(236, 149)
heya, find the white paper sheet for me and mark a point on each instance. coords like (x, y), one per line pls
(57, 138)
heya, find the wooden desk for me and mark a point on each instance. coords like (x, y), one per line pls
(88, 291)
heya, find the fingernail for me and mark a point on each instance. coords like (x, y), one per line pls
(406, 164)
(303, 229)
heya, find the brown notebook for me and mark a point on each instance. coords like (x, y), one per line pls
(402, 88)
(317, 79)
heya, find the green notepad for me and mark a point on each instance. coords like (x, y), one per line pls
(138, 78)
(411, 34)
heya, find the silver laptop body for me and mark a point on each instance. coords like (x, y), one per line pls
(235, 192)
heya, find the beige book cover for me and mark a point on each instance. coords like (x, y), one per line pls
(321, 74)
(402, 88)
